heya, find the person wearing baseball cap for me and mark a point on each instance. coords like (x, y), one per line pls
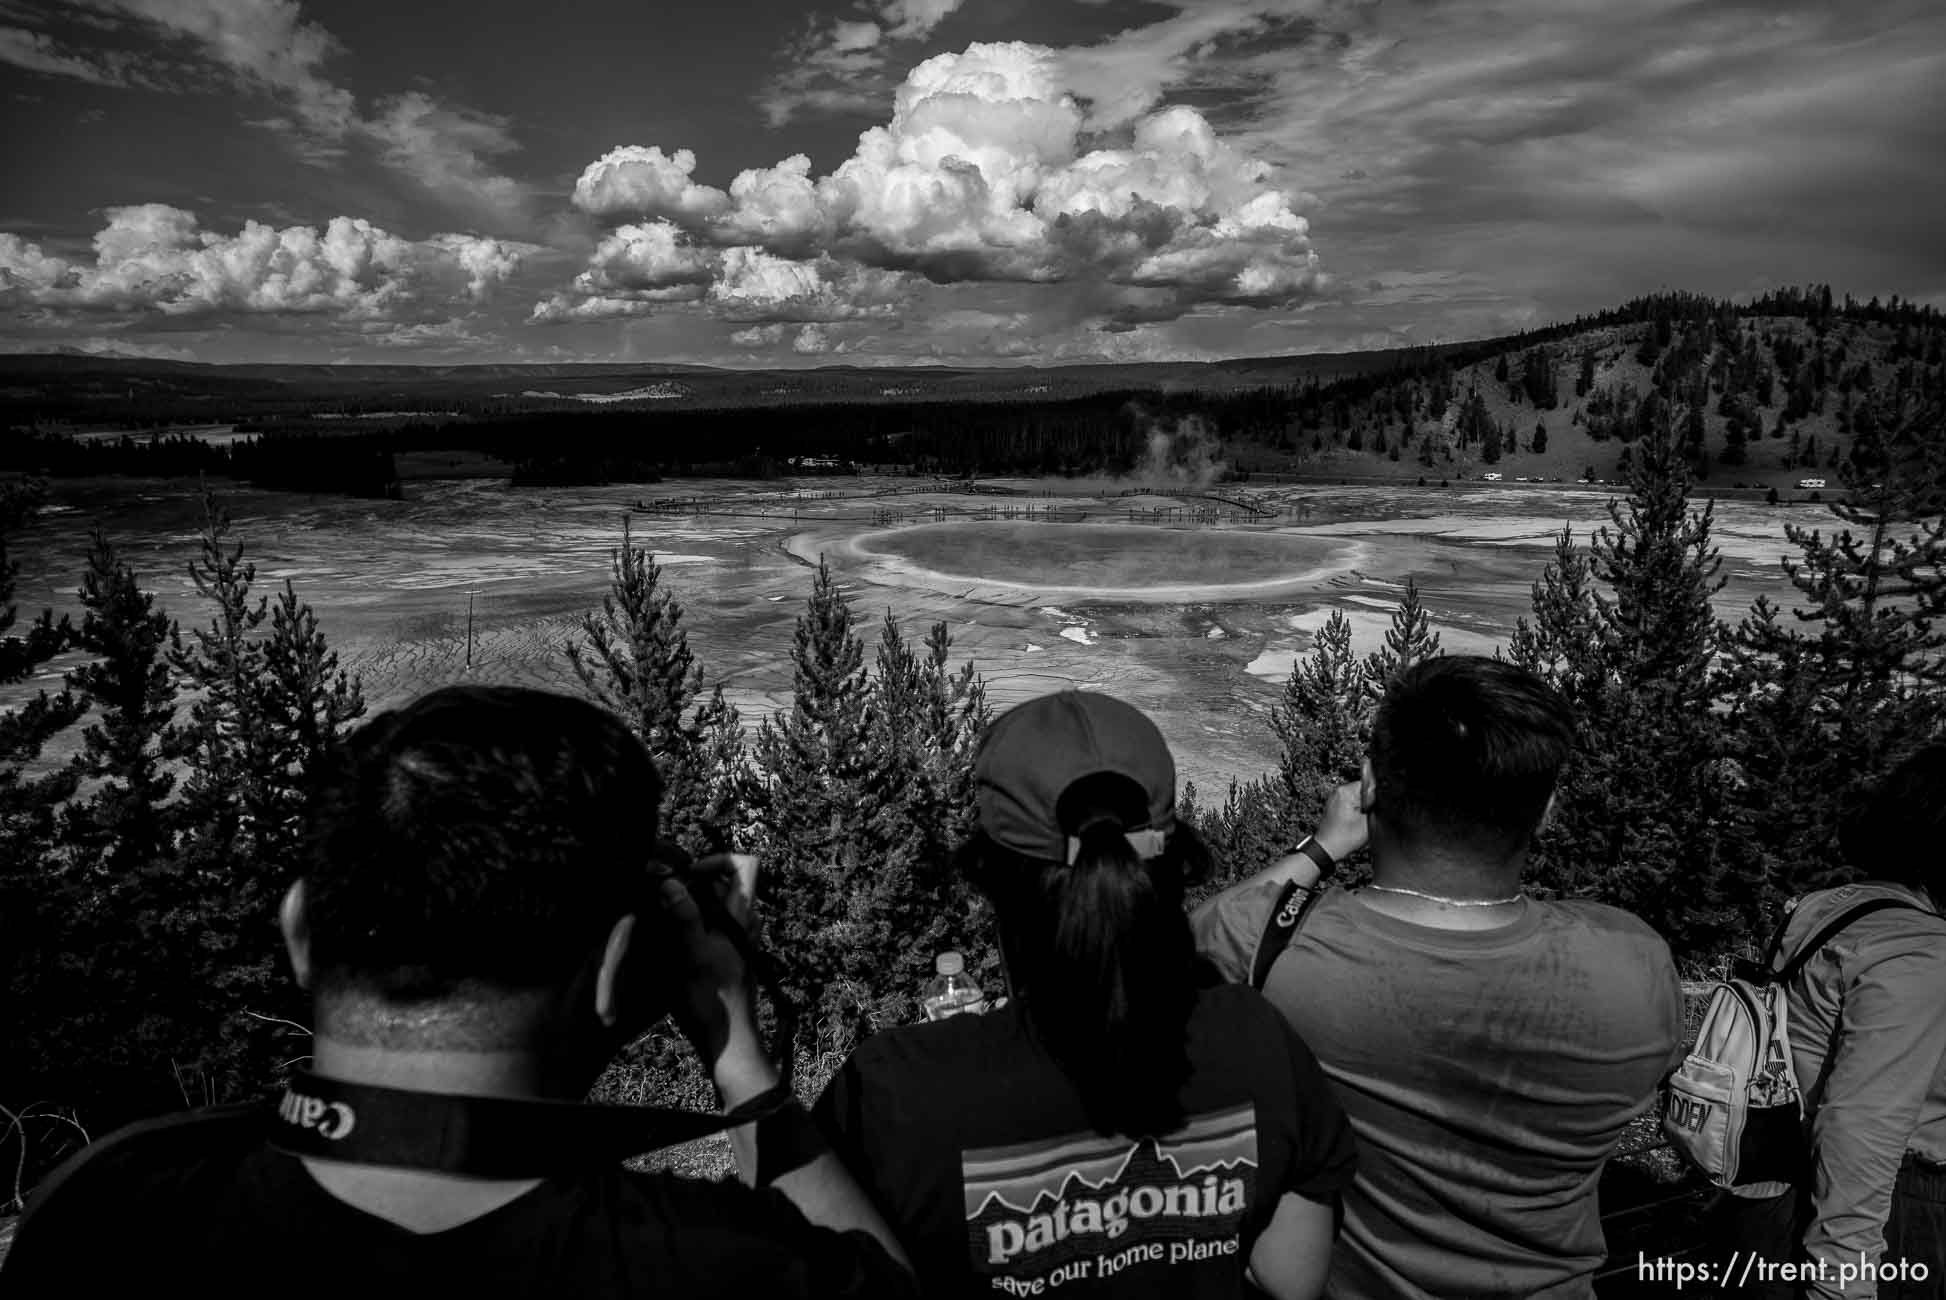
(1118, 1128)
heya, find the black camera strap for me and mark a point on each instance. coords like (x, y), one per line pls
(486, 1137)
(502, 1137)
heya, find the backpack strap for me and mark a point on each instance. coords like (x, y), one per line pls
(1776, 944)
(1830, 932)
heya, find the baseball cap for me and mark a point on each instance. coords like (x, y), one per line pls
(1034, 752)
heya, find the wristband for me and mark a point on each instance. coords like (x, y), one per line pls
(1315, 851)
(775, 1097)
(787, 1140)
(787, 1137)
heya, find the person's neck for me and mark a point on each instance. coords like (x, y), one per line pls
(508, 1072)
(1449, 891)
(1920, 894)
(419, 1200)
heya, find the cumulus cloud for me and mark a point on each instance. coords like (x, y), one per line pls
(648, 182)
(648, 257)
(639, 265)
(758, 336)
(566, 309)
(754, 285)
(986, 172)
(152, 259)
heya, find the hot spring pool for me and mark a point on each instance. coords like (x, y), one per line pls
(1105, 560)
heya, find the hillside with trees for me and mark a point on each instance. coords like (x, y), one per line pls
(1794, 384)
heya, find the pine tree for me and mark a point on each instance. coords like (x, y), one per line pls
(1249, 830)
(720, 819)
(1876, 595)
(252, 749)
(1787, 768)
(1557, 645)
(814, 761)
(1636, 820)
(1475, 423)
(227, 739)
(908, 904)
(122, 826)
(112, 1007)
(634, 658)
(1538, 382)
(37, 897)
(1410, 639)
(28, 801)
(1320, 724)
(309, 704)
(232, 854)
(1189, 807)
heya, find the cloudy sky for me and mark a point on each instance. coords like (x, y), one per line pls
(753, 182)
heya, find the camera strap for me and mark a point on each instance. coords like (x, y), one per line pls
(504, 1137)
(485, 1137)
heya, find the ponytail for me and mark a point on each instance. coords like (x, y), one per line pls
(1104, 966)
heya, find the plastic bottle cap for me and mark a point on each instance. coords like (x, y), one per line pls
(949, 963)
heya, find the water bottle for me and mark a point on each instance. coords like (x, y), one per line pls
(950, 991)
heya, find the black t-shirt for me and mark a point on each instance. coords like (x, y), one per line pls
(977, 1149)
(198, 1204)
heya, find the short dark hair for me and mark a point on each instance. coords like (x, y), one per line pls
(1467, 749)
(1897, 829)
(479, 837)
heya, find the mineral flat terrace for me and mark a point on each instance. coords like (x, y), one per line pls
(1190, 602)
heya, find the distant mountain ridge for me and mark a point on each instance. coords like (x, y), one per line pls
(80, 389)
(1785, 392)
(70, 361)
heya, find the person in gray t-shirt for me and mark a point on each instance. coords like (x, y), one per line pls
(1489, 1048)
(1868, 1042)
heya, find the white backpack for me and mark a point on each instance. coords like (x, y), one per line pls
(1733, 1108)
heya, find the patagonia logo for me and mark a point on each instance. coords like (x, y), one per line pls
(333, 1120)
(1080, 1206)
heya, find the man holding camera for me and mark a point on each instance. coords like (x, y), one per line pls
(482, 924)
(1488, 1047)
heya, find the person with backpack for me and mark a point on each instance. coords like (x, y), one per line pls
(1866, 1018)
(1116, 1130)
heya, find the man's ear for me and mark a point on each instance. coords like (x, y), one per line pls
(1367, 788)
(1547, 813)
(612, 971)
(296, 925)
